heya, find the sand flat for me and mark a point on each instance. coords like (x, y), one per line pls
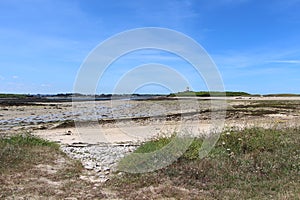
(134, 121)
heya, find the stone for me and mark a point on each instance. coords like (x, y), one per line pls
(89, 165)
(101, 158)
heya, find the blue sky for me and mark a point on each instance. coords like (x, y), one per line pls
(255, 44)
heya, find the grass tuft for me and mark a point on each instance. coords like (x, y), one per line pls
(153, 145)
(23, 149)
(33, 168)
(255, 163)
(27, 139)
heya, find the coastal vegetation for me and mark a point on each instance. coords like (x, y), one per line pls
(34, 168)
(255, 163)
(208, 94)
(13, 95)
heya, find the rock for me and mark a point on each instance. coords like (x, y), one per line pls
(103, 178)
(70, 198)
(89, 165)
(98, 169)
(68, 133)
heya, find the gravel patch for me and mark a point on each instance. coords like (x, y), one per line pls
(101, 158)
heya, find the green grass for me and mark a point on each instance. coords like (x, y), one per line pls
(153, 145)
(254, 163)
(20, 150)
(27, 139)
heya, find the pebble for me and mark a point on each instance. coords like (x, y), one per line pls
(101, 158)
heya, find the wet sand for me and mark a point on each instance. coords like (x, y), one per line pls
(135, 121)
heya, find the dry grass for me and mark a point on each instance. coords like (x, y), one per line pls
(250, 164)
(32, 168)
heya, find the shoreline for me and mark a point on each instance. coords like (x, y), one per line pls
(106, 131)
(142, 113)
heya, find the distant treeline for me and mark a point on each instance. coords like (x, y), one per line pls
(208, 94)
(101, 95)
(19, 96)
(70, 95)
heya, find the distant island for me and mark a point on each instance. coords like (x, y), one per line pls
(209, 94)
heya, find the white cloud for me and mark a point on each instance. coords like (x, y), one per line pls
(45, 85)
(285, 61)
(15, 77)
(259, 57)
